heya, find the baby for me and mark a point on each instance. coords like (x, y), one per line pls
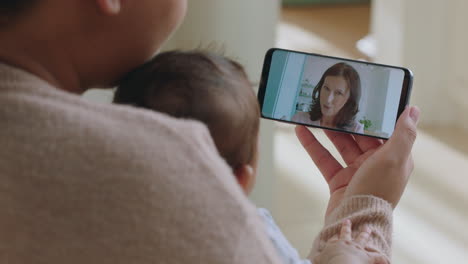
(216, 91)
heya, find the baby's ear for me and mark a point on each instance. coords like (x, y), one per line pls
(245, 175)
(109, 7)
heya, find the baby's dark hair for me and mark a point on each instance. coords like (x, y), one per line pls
(203, 86)
(12, 8)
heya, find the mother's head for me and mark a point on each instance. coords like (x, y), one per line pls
(78, 44)
(336, 96)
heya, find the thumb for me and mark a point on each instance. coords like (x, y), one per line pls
(405, 133)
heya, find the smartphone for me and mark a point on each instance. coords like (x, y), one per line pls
(352, 96)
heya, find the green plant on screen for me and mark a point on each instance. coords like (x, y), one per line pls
(366, 122)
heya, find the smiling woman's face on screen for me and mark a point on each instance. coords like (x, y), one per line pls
(334, 94)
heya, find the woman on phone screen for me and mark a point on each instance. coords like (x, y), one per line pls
(335, 100)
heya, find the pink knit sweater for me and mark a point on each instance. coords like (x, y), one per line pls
(94, 183)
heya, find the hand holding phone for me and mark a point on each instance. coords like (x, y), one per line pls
(372, 166)
(333, 93)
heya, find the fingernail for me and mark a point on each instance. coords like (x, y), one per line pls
(250, 169)
(414, 114)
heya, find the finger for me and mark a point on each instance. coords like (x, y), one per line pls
(410, 164)
(380, 260)
(341, 179)
(367, 143)
(345, 144)
(345, 232)
(333, 238)
(403, 137)
(363, 237)
(322, 158)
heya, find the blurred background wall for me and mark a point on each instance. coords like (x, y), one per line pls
(428, 36)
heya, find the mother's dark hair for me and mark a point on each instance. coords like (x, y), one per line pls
(12, 8)
(347, 114)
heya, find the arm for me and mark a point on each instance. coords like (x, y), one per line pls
(371, 184)
(361, 210)
(349, 249)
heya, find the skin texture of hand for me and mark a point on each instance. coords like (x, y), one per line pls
(373, 167)
(346, 250)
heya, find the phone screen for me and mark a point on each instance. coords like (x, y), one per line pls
(333, 93)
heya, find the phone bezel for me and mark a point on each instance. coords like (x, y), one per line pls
(404, 98)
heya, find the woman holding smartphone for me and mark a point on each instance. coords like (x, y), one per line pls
(80, 184)
(335, 100)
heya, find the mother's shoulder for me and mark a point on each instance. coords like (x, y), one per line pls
(356, 127)
(302, 117)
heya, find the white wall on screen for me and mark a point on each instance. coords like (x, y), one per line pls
(377, 94)
(393, 98)
(289, 86)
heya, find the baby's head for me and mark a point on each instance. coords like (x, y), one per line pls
(206, 87)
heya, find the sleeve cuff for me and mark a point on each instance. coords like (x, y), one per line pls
(361, 210)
